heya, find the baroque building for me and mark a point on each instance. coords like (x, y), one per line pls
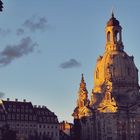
(28, 120)
(113, 112)
(66, 130)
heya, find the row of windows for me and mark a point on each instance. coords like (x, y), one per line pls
(47, 119)
(21, 117)
(28, 118)
(12, 108)
(47, 126)
(35, 125)
(51, 134)
(116, 36)
(26, 110)
(25, 125)
(20, 110)
(44, 113)
(22, 106)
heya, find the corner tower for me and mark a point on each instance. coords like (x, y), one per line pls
(83, 109)
(115, 74)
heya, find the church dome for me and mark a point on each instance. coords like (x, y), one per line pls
(113, 21)
(116, 72)
(117, 67)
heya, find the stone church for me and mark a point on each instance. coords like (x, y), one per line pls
(113, 112)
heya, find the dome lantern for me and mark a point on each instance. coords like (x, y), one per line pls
(113, 35)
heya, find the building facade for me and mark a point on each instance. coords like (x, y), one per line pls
(66, 130)
(28, 120)
(66, 127)
(113, 112)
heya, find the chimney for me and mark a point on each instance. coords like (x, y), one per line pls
(8, 99)
(24, 100)
(16, 99)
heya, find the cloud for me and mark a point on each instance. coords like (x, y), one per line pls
(2, 94)
(4, 32)
(34, 23)
(11, 52)
(20, 31)
(72, 63)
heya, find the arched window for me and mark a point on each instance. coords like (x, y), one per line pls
(97, 73)
(108, 96)
(108, 36)
(117, 38)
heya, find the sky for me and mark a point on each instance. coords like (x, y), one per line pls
(45, 46)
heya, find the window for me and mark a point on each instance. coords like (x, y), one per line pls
(40, 119)
(30, 110)
(13, 116)
(22, 110)
(3, 117)
(22, 117)
(30, 118)
(26, 117)
(18, 110)
(26, 110)
(97, 73)
(117, 36)
(128, 71)
(9, 116)
(34, 117)
(52, 134)
(108, 36)
(44, 119)
(17, 116)
(108, 96)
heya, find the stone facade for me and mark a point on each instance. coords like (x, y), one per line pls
(28, 120)
(113, 112)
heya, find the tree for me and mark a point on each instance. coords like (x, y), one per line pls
(1, 5)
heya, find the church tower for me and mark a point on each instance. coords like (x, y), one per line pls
(81, 113)
(113, 113)
(83, 109)
(115, 74)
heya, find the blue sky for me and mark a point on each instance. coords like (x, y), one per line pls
(47, 44)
